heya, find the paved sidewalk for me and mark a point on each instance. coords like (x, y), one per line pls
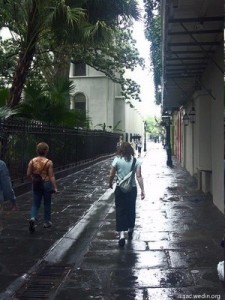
(173, 254)
(21, 253)
(174, 251)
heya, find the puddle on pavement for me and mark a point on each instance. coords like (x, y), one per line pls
(170, 199)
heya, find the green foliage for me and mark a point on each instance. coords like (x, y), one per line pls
(154, 127)
(49, 32)
(50, 104)
(5, 111)
(8, 57)
(4, 93)
(109, 127)
(113, 60)
(153, 34)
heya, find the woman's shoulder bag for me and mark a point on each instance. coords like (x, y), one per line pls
(125, 184)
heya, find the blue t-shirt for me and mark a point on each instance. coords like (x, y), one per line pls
(123, 167)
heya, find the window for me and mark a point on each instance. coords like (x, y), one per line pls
(80, 106)
(80, 102)
(79, 69)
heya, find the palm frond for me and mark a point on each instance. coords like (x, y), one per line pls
(65, 19)
(98, 33)
(6, 112)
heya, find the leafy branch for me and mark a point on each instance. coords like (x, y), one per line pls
(154, 35)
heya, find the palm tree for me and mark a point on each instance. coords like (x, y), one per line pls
(31, 21)
(44, 23)
(5, 111)
(96, 32)
(50, 104)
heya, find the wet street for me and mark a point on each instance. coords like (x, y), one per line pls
(173, 254)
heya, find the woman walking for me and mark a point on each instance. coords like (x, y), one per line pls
(125, 203)
(40, 165)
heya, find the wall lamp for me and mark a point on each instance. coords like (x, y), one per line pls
(191, 117)
(185, 119)
(166, 120)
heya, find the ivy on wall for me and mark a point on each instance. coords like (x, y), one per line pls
(154, 35)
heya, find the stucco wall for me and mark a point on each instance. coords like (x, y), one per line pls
(104, 103)
(134, 123)
(98, 98)
(204, 141)
(203, 130)
(213, 80)
(119, 113)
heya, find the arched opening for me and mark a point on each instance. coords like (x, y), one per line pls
(79, 102)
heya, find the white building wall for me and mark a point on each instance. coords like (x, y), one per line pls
(213, 80)
(129, 118)
(119, 115)
(134, 121)
(203, 126)
(203, 141)
(104, 103)
(96, 99)
(100, 93)
(131, 122)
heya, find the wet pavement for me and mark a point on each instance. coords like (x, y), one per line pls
(173, 254)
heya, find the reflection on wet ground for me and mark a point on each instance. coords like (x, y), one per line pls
(174, 251)
(173, 254)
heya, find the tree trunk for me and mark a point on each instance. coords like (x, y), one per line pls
(62, 59)
(25, 57)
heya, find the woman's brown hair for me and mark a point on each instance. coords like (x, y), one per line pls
(126, 151)
(42, 149)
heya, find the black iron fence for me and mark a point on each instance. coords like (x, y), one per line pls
(68, 146)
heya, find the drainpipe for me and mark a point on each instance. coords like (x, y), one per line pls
(168, 147)
(167, 122)
(145, 128)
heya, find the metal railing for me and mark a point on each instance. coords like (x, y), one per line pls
(67, 146)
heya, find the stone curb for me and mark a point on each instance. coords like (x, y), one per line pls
(59, 249)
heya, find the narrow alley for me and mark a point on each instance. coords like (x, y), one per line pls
(173, 254)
